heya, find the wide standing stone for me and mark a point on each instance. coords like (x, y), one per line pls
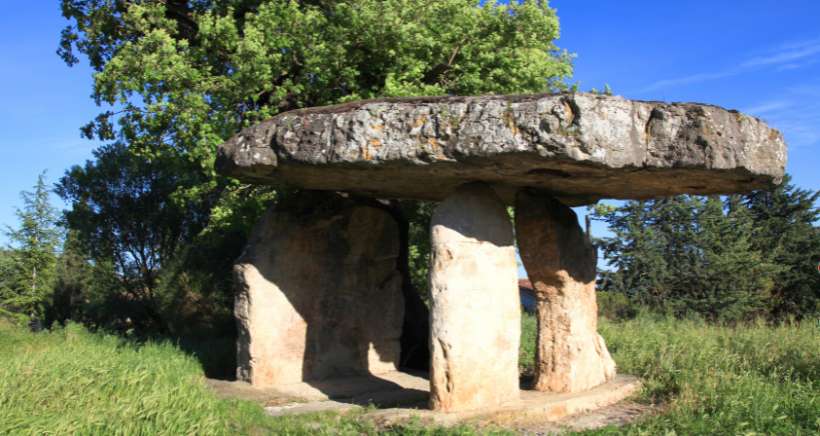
(319, 292)
(561, 262)
(475, 314)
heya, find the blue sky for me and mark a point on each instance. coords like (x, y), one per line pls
(761, 57)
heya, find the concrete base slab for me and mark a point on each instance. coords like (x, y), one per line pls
(533, 406)
(401, 396)
(391, 389)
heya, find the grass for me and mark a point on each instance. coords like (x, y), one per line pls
(748, 379)
(753, 379)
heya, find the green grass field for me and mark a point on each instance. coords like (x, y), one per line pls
(752, 379)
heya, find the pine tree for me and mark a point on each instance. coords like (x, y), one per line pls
(33, 253)
(731, 279)
(635, 253)
(786, 232)
(687, 254)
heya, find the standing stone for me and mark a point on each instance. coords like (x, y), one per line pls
(475, 314)
(570, 355)
(319, 292)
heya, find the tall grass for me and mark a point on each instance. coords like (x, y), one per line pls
(711, 379)
(70, 381)
(708, 379)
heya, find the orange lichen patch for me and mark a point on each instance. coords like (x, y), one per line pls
(569, 112)
(509, 121)
(375, 142)
(377, 127)
(436, 148)
(420, 121)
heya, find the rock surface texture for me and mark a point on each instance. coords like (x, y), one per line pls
(475, 310)
(319, 293)
(578, 147)
(570, 354)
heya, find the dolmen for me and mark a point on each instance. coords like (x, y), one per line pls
(322, 285)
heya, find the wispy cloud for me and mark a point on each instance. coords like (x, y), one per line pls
(796, 113)
(787, 54)
(688, 80)
(784, 57)
(767, 107)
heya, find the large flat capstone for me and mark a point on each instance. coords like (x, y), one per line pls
(577, 147)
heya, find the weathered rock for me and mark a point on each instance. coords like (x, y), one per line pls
(319, 292)
(475, 314)
(570, 355)
(579, 147)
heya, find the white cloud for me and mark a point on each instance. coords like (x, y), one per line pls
(688, 80)
(796, 114)
(767, 107)
(784, 57)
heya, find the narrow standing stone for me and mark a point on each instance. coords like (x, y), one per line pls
(475, 314)
(319, 292)
(561, 262)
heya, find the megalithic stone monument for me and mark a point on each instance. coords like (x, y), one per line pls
(543, 153)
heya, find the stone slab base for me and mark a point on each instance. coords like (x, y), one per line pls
(390, 389)
(401, 396)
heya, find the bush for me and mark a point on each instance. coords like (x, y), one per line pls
(616, 306)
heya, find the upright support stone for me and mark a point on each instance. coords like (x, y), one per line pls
(561, 262)
(319, 292)
(475, 315)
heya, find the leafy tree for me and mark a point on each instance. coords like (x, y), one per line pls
(181, 76)
(188, 74)
(32, 253)
(124, 214)
(73, 278)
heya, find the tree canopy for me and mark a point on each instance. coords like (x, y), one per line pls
(175, 78)
(184, 75)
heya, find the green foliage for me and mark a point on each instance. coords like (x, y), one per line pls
(725, 260)
(163, 260)
(747, 379)
(73, 278)
(124, 214)
(28, 264)
(529, 336)
(70, 381)
(188, 74)
(786, 232)
(179, 77)
(418, 216)
(706, 378)
(616, 306)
